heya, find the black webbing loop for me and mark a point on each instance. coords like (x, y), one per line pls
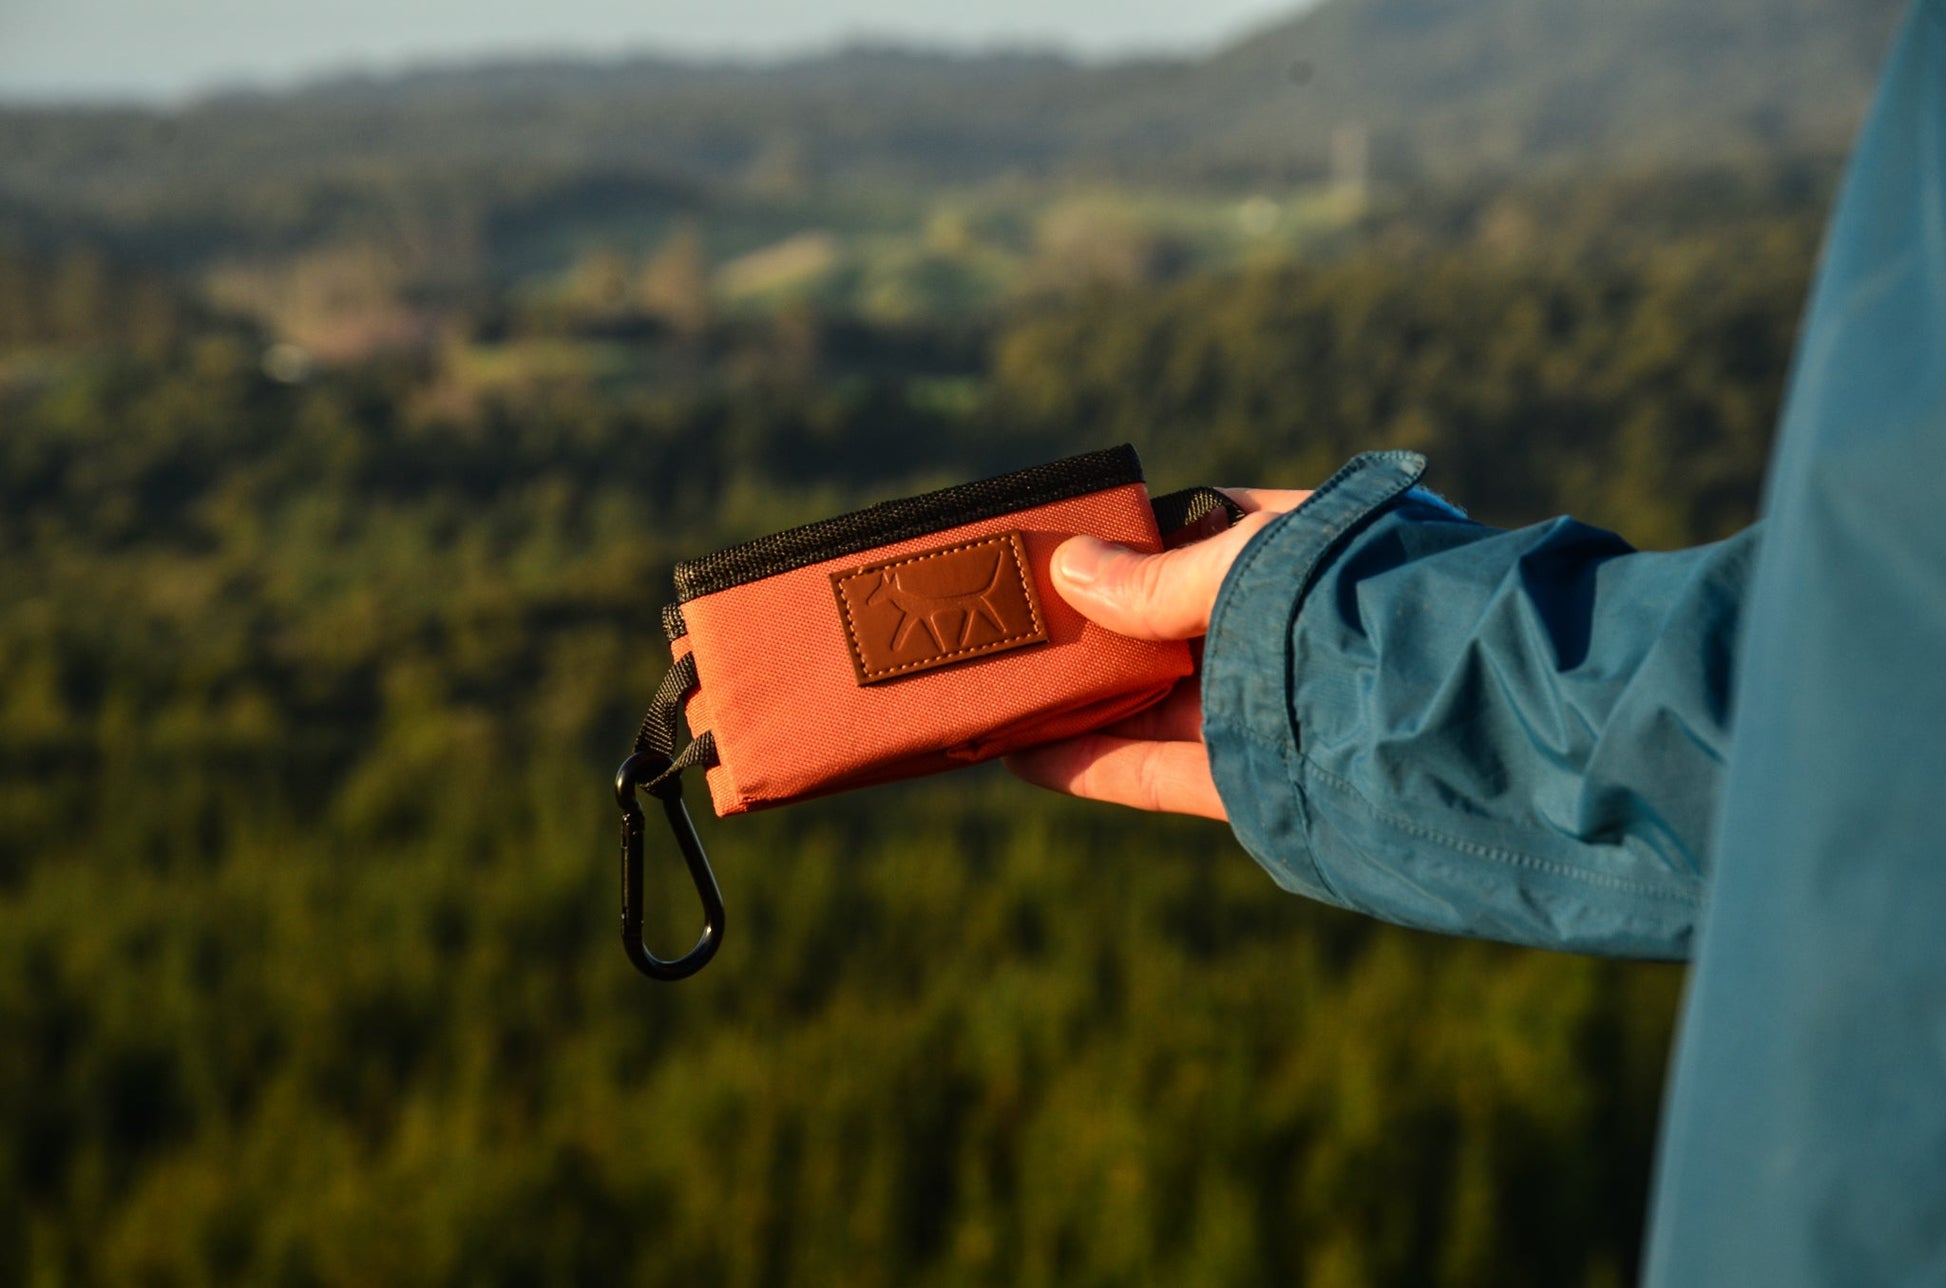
(655, 769)
(1191, 506)
(658, 729)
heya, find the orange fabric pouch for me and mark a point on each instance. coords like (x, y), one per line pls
(900, 640)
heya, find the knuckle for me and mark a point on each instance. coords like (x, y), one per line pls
(1084, 771)
(1151, 780)
(1155, 580)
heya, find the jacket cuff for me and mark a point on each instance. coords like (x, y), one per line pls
(1249, 720)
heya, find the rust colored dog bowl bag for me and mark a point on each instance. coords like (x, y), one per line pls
(903, 639)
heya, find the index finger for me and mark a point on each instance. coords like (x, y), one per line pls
(1168, 777)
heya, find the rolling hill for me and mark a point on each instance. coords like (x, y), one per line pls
(1421, 89)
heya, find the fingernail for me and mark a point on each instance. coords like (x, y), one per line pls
(1077, 561)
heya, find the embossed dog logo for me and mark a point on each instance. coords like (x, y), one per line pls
(936, 613)
(939, 607)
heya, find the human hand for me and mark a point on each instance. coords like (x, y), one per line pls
(1155, 759)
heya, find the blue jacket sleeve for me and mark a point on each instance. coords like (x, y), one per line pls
(1511, 735)
(1805, 1140)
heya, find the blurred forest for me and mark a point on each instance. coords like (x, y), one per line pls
(332, 540)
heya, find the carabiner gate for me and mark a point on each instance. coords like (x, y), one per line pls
(651, 768)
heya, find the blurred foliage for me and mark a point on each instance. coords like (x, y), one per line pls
(312, 681)
(1634, 382)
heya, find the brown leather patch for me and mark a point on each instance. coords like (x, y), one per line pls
(939, 607)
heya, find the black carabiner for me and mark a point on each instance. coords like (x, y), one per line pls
(649, 767)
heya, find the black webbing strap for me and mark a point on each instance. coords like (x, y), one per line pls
(658, 731)
(699, 754)
(1192, 505)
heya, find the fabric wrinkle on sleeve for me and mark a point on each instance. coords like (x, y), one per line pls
(1513, 735)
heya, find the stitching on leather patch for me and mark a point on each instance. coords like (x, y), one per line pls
(939, 607)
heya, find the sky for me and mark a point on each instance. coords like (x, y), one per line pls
(161, 50)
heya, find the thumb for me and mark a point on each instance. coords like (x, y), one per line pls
(1165, 596)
